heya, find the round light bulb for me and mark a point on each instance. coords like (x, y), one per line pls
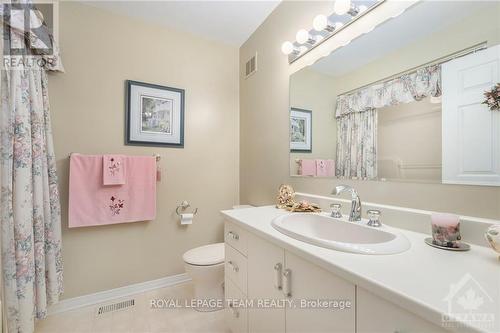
(287, 48)
(341, 7)
(302, 36)
(320, 22)
(338, 25)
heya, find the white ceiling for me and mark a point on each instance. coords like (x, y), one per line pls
(231, 22)
(417, 22)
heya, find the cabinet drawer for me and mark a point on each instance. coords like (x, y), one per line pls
(236, 314)
(236, 268)
(376, 315)
(236, 237)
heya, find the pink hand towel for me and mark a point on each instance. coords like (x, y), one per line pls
(113, 170)
(325, 168)
(307, 168)
(91, 203)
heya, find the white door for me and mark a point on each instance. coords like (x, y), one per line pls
(265, 266)
(471, 132)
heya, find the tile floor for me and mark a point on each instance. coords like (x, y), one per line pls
(138, 318)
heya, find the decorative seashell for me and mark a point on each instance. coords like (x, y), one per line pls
(492, 235)
(285, 196)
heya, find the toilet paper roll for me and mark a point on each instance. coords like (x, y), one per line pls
(187, 218)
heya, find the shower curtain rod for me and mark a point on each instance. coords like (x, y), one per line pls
(454, 55)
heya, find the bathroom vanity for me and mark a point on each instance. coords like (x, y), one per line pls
(280, 279)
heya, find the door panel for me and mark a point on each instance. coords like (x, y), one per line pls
(376, 315)
(311, 282)
(471, 132)
(262, 258)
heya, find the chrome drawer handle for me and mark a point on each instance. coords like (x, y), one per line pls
(277, 276)
(234, 267)
(287, 287)
(235, 312)
(233, 235)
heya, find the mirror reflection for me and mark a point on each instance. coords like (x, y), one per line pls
(404, 102)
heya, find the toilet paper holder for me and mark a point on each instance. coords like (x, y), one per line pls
(183, 206)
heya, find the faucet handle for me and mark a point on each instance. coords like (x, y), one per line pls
(374, 218)
(336, 207)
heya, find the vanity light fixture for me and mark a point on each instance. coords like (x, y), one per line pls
(321, 23)
(303, 36)
(326, 26)
(342, 7)
(288, 48)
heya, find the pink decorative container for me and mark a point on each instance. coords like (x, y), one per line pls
(446, 230)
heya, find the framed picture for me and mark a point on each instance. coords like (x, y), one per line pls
(154, 115)
(300, 130)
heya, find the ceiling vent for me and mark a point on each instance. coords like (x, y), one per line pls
(251, 66)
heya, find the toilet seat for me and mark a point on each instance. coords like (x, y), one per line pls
(207, 255)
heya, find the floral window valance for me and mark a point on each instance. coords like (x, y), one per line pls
(424, 82)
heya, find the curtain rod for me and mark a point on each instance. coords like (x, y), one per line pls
(454, 55)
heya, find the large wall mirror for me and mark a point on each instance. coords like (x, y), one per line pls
(404, 102)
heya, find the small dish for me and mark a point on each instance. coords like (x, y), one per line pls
(461, 246)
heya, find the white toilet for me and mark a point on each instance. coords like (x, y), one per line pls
(205, 266)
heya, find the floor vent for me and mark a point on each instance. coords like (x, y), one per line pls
(251, 66)
(115, 306)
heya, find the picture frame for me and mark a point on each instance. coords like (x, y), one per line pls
(154, 115)
(300, 130)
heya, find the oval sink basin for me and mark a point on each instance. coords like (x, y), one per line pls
(340, 234)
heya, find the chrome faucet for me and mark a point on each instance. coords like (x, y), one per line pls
(355, 214)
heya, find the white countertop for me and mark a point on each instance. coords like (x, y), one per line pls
(418, 280)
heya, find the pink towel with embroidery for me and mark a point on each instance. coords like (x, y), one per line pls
(113, 170)
(325, 168)
(91, 203)
(307, 168)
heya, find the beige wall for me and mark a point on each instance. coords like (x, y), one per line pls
(100, 51)
(409, 141)
(312, 91)
(264, 159)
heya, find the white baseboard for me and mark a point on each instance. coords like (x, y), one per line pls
(108, 295)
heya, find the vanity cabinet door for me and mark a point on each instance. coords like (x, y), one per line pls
(376, 315)
(262, 284)
(311, 282)
(235, 312)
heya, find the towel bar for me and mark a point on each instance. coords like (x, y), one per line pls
(156, 156)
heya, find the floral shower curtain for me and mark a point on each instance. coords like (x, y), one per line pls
(29, 198)
(357, 145)
(357, 118)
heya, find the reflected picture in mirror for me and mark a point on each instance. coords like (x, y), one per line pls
(300, 130)
(404, 102)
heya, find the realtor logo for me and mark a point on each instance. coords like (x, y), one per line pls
(469, 304)
(26, 31)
